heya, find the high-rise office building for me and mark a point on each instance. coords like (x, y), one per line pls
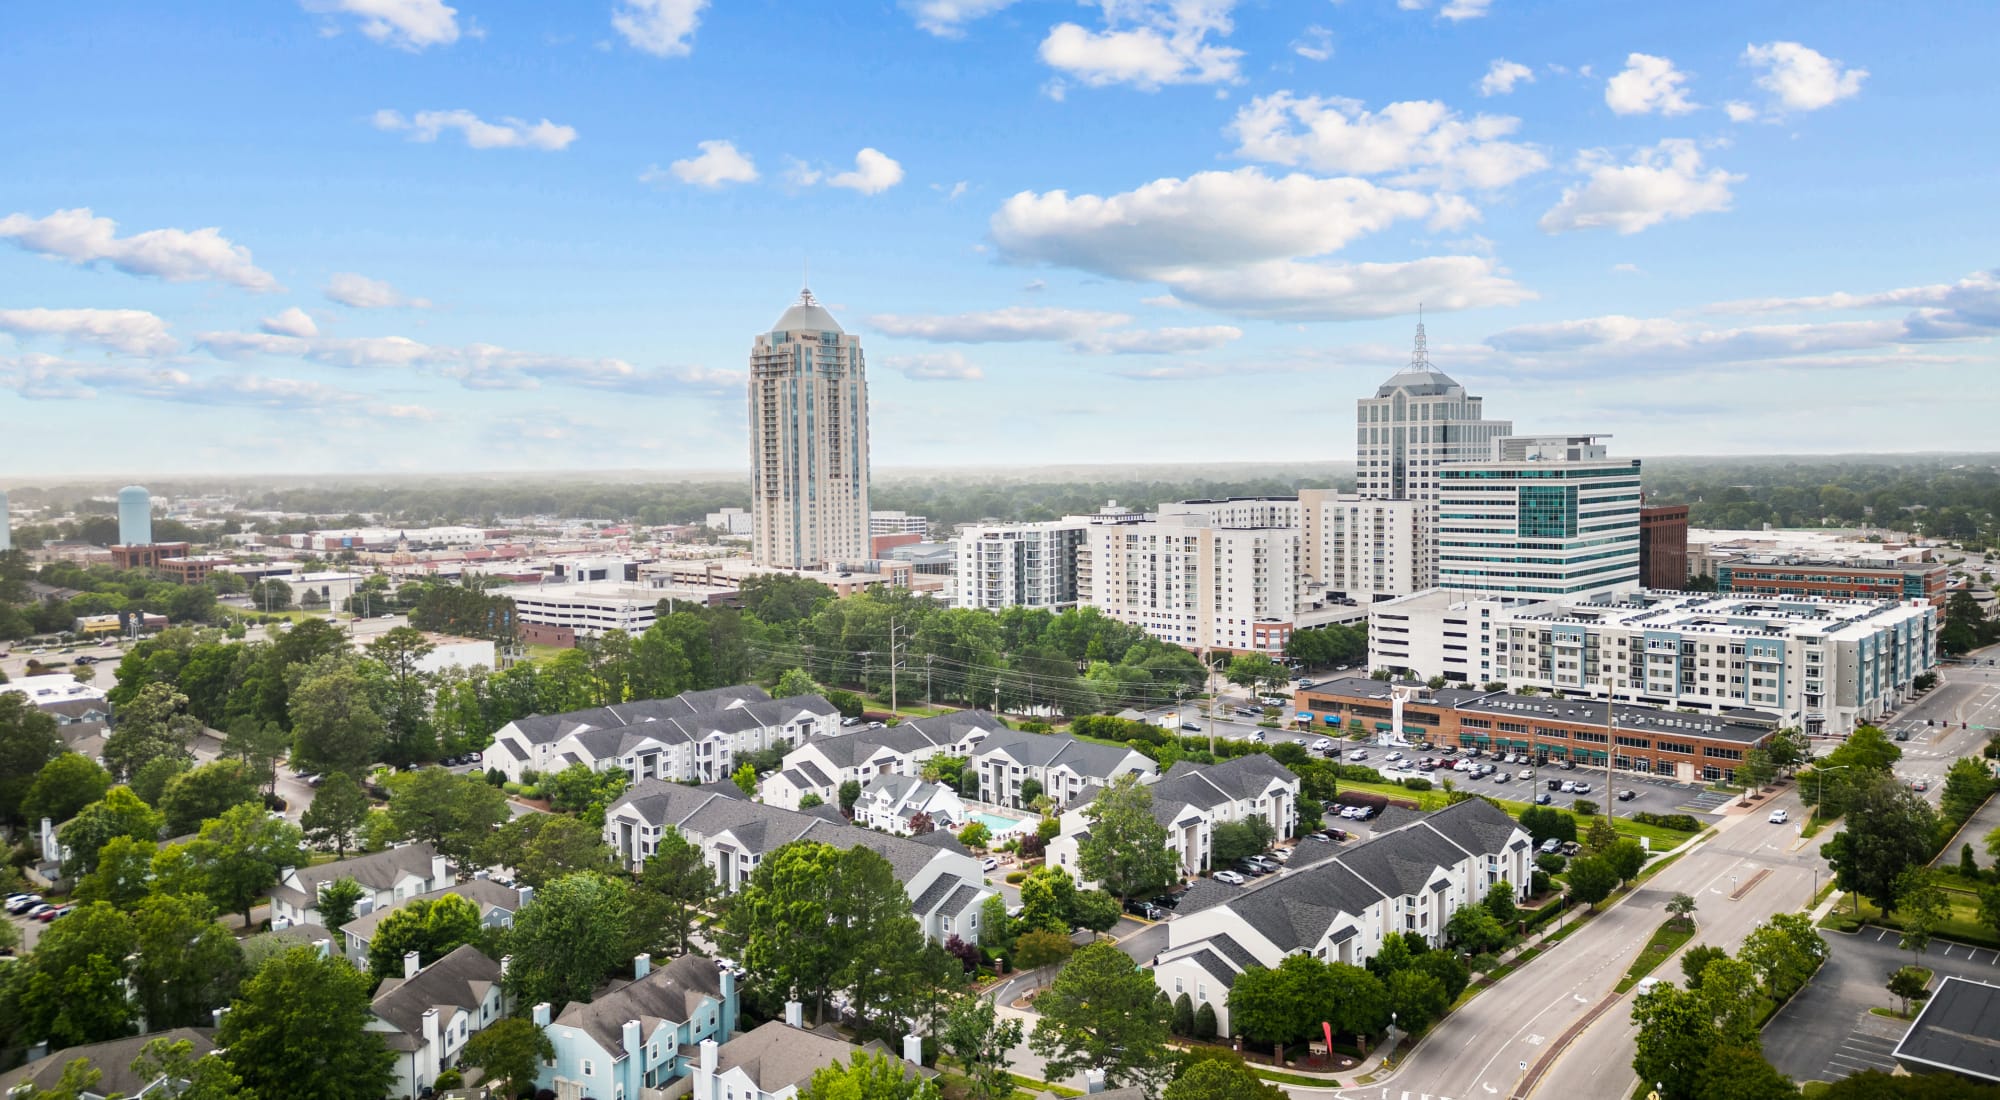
(135, 516)
(808, 443)
(1418, 421)
(1541, 516)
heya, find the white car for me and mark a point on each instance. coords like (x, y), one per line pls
(1779, 817)
(1524, 773)
(1230, 877)
(1393, 756)
(991, 863)
(1323, 744)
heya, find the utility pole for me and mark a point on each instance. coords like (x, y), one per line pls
(928, 658)
(892, 664)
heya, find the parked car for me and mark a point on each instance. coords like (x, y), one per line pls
(1571, 847)
(1393, 756)
(34, 912)
(53, 914)
(21, 903)
(1500, 777)
(1194, 727)
(991, 863)
(1555, 784)
(1568, 786)
(1779, 817)
(1230, 877)
(1257, 737)
(1551, 846)
(1627, 795)
(1580, 788)
(1358, 754)
(1919, 785)
(1324, 744)
(1524, 774)
(1543, 799)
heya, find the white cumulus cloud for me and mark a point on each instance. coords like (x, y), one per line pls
(292, 322)
(1666, 181)
(408, 24)
(362, 292)
(1502, 76)
(1316, 44)
(1454, 10)
(507, 133)
(129, 331)
(663, 28)
(1415, 142)
(947, 18)
(874, 172)
(1739, 111)
(1147, 44)
(943, 366)
(1648, 85)
(1801, 78)
(175, 255)
(718, 163)
(1009, 325)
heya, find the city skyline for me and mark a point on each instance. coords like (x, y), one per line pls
(407, 236)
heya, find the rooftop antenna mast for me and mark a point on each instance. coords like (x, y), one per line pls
(1420, 356)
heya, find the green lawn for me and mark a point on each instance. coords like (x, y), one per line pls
(1963, 925)
(293, 614)
(1672, 934)
(1659, 838)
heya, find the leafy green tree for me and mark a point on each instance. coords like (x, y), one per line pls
(869, 1076)
(305, 1018)
(574, 934)
(1102, 1012)
(1095, 910)
(432, 927)
(118, 813)
(1626, 858)
(1681, 908)
(1500, 902)
(404, 695)
(198, 794)
(1048, 900)
(1922, 907)
(1906, 983)
(71, 989)
(745, 778)
(1741, 1073)
(578, 789)
(1183, 1023)
(1220, 1079)
(337, 902)
(335, 816)
(544, 847)
(1039, 947)
(1695, 960)
(65, 785)
(241, 854)
(1232, 841)
(511, 1050)
(1126, 849)
(850, 793)
(451, 812)
(1420, 997)
(1967, 785)
(154, 724)
(335, 727)
(150, 781)
(1889, 830)
(1677, 1032)
(259, 743)
(996, 928)
(123, 875)
(1730, 988)
(794, 682)
(79, 1078)
(674, 890)
(1205, 1022)
(198, 1077)
(981, 1041)
(1474, 929)
(185, 965)
(28, 742)
(1591, 879)
(1279, 1006)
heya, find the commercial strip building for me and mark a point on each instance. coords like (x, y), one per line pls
(1857, 577)
(1663, 547)
(1674, 744)
(808, 443)
(1539, 516)
(1822, 665)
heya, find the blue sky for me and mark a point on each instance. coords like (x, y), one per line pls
(416, 235)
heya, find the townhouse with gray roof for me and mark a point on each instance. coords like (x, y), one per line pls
(777, 1060)
(1064, 767)
(1410, 880)
(695, 736)
(497, 905)
(1190, 800)
(946, 885)
(821, 765)
(637, 1036)
(387, 878)
(113, 1059)
(426, 1016)
(892, 802)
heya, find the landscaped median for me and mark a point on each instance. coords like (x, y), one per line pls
(1670, 937)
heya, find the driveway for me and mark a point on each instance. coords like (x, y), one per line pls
(1826, 1032)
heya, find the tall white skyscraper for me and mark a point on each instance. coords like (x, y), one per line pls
(1419, 420)
(808, 443)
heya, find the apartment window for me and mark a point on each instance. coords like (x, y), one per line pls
(1201, 991)
(589, 1068)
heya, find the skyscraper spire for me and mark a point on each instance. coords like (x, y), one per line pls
(1420, 356)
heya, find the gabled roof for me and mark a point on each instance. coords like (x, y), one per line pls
(461, 980)
(113, 1058)
(488, 895)
(776, 1056)
(672, 992)
(1047, 750)
(376, 871)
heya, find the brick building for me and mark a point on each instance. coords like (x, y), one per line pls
(1833, 578)
(147, 555)
(1663, 547)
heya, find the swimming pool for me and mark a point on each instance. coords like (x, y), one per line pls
(1000, 826)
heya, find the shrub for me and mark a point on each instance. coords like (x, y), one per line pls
(1014, 877)
(1417, 783)
(1183, 1015)
(1550, 863)
(1204, 1022)
(1680, 823)
(1361, 798)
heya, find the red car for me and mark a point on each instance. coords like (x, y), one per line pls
(51, 914)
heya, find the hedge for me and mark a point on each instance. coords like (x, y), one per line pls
(1680, 823)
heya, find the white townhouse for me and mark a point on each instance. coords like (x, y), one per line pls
(497, 905)
(1063, 767)
(387, 878)
(821, 765)
(777, 1060)
(946, 885)
(694, 736)
(1191, 800)
(891, 802)
(632, 1038)
(427, 1016)
(1410, 879)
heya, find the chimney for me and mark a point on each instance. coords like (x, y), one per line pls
(795, 1015)
(324, 947)
(1093, 1080)
(708, 1056)
(412, 962)
(541, 1016)
(430, 1027)
(216, 1016)
(728, 991)
(913, 1049)
(506, 964)
(527, 895)
(631, 1036)
(642, 965)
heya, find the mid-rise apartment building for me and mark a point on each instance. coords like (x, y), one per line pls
(1823, 665)
(1539, 516)
(1358, 549)
(808, 443)
(1019, 564)
(1419, 421)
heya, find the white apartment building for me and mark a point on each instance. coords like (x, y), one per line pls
(590, 608)
(733, 521)
(1359, 549)
(1548, 516)
(1019, 564)
(1189, 801)
(808, 443)
(1820, 664)
(1418, 421)
(897, 523)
